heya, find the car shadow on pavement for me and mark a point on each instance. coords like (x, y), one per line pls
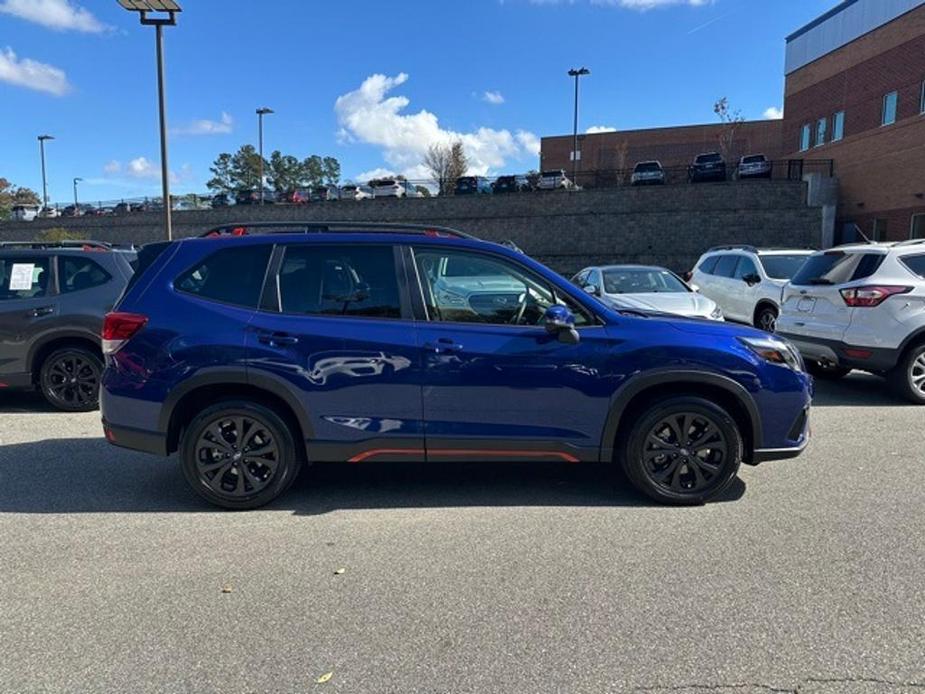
(81, 475)
(23, 401)
(857, 389)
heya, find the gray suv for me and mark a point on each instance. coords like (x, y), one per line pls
(53, 297)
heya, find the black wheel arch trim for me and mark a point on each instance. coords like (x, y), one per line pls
(57, 336)
(639, 384)
(915, 337)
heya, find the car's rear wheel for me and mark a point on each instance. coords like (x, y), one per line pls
(238, 455)
(683, 451)
(826, 372)
(908, 377)
(766, 319)
(70, 379)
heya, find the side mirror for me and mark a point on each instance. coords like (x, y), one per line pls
(751, 279)
(592, 290)
(559, 321)
(694, 288)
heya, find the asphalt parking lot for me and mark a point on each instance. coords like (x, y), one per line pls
(807, 577)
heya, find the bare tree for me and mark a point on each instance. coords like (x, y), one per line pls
(731, 120)
(446, 163)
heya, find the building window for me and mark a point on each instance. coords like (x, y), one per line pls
(821, 127)
(879, 230)
(918, 226)
(890, 102)
(806, 136)
(838, 126)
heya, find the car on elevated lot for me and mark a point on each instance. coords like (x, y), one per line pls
(53, 297)
(252, 354)
(862, 306)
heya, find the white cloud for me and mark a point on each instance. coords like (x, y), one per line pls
(367, 176)
(493, 97)
(32, 74)
(142, 168)
(594, 129)
(529, 141)
(112, 167)
(369, 115)
(60, 15)
(223, 126)
(773, 113)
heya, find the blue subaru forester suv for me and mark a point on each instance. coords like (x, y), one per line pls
(253, 354)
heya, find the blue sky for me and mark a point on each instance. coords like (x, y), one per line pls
(370, 82)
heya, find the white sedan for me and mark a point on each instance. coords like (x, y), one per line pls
(646, 288)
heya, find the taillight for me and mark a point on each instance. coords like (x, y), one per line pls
(118, 328)
(874, 295)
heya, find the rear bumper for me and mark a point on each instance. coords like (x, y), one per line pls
(16, 381)
(135, 439)
(840, 353)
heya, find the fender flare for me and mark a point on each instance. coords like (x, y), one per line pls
(638, 384)
(54, 336)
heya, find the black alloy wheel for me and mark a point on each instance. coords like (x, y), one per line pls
(70, 379)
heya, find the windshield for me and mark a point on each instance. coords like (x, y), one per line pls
(754, 159)
(782, 267)
(642, 281)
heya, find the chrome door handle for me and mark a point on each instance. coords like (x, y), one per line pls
(277, 339)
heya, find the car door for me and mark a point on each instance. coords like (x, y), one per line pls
(28, 304)
(87, 292)
(496, 384)
(337, 328)
(743, 293)
(719, 286)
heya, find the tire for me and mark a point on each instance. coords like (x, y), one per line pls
(907, 379)
(672, 476)
(766, 319)
(826, 373)
(211, 455)
(69, 379)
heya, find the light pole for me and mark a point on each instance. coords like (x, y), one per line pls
(577, 74)
(42, 139)
(159, 21)
(261, 112)
(76, 206)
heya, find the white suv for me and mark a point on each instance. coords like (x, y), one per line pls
(746, 282)
(862, 307)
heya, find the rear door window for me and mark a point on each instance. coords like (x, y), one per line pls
(916, 263)
(782, 267)
(708, 265)
(231, 276)
(837, 267)
(78, 273)
(330, 280)
(745, 268)
(726, 266)
(23, 277)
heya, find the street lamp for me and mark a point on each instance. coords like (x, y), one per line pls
(170, 9)
(76, 206)
(42, 139)
(261, 112)
(577, 74)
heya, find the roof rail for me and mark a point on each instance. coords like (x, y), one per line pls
(302, 227)
(79, 245)
(908, 242)
(734, 247)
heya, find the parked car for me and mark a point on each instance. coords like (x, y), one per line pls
(252, 197)
(24, 213)
(746, 282)
(554, 180)
(754, 166)
(646, 288)
(707, 167)
(122, 208)
(648, 173)
(49, 212)
(862, 307)
(511, 184)
(222, 200)
(352, 191)
(393, 188)
(324, 193)
(343, 360)
(472, 185)
(53, 297)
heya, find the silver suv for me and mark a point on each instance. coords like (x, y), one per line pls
(746, 282)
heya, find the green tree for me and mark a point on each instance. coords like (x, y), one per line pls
(446, 163)
(245, 169)
(11, 195)
(221, 181)
(330, 171)
(423, 190)
(313, 170)
(285, 172)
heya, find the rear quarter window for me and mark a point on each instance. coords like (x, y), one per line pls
(230, 275)
(837, 267)
(915, 263)
(708, 265)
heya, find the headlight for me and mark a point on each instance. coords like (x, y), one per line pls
(717, 313)
(775, 351)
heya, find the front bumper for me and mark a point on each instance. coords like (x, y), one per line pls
(880, 359)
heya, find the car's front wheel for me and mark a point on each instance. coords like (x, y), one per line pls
(70, 379)
(683, 451)
(908, 377)
(238, 455)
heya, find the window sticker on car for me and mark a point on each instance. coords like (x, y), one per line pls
(22, 276)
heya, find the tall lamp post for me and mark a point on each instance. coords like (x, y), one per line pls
(577, 74)
(76, 205)
(261, 112)
(42, 139)
(166, 15)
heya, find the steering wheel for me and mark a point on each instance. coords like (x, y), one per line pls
(521, 309)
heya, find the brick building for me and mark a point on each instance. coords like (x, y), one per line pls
(855, 93)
